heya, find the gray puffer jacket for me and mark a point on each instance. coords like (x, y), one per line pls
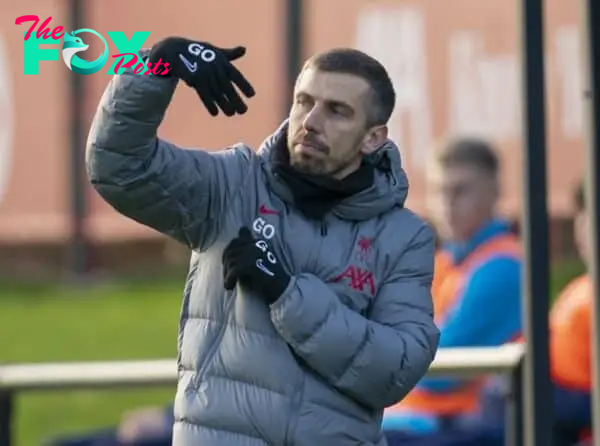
(352, 333)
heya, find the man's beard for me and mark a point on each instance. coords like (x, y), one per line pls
(306, 164)
(323, 165)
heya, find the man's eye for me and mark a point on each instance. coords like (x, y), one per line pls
(341, 111)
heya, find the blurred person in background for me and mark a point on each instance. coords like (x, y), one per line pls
(570, 352)
(570, 342)
(570, 359)
(570, 368)
(570, 363)
(307, 308)
(476, 290)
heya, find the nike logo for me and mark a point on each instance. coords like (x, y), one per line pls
(264, 210)
(192, 67)
(261, 266)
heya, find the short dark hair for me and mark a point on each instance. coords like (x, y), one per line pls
(579, 196)
(357, 63)
(472, 152)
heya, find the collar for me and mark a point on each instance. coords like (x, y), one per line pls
(316, 195)
(493, 228)
(388, 189)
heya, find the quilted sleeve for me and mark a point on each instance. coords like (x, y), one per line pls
(182, 193)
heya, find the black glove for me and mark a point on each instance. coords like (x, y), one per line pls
(250, 262)
(207, 69)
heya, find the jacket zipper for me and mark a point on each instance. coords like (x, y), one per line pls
(299, 395)
(323, 228)
(315, 253)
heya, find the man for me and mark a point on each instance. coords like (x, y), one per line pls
(476, 289)
(307, 308)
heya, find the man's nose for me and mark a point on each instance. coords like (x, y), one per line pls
(313, 120)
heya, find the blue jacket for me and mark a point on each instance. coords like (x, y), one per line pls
(489, 310)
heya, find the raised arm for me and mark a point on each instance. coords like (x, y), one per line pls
(180, 192)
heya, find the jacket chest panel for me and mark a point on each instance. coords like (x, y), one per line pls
(340, 253)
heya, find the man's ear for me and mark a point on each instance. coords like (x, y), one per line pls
(374, 138)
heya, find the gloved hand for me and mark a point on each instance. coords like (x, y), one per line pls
(250, 262)
(207, 69)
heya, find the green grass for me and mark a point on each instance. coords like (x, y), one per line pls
(562, 273)
(134, 320)
(107, 322)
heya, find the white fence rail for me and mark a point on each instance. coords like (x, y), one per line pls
(461, 362)
(18, 378)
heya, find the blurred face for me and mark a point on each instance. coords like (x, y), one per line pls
(581, 228)
(461, 199)
(328, 132)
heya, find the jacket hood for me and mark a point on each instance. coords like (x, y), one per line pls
(389, 189)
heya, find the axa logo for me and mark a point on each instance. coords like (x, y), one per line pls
(358, 279)
(72, 45)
